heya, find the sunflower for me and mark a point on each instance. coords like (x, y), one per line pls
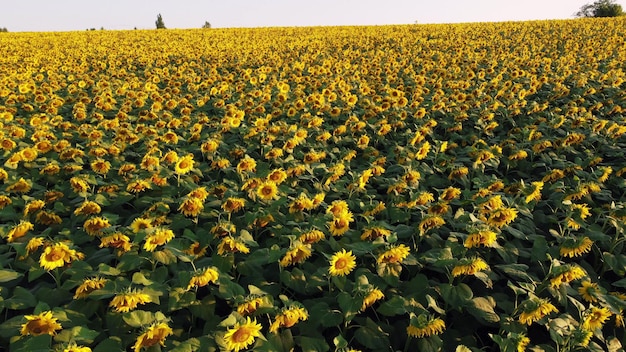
(424, 198)
(87, 208)
(200, 193)
(157, 237)
(469, 267)
(575, 247)
(588, 290)
(184, 165)
(311, 237)
(374, 233)
(300, 204)
(28, 154)
(20, 186)
(535, 194)
(288, 317)
(4, 201)
(100, 166)
(395, 254)
(137, 186)
(595, 318)
(342, 263)
(423, 151)
(208, 275)
(33, 244)
(241, 336)
(40, 324)
(337, 207)
(34, 206)
(125, 302)
(245, 165)
(57, 255)
(535, 309)
(88, 286)
(73, 347)
(223, 228)
(296, 255)
(267, 191)
(458, 173)
(118, 241)
(140, 224)
(156, 333)
(501, 217)
(430, 222)
(571, 273)
(94, 226)
(191, 207)
(229, 244)
(233, 204)
(424, 326)
(450, 193)
(480, 238)
(372, 296)
(250, 305)
(19, 230)
(341, 224)
(278, 176)
(196, 250)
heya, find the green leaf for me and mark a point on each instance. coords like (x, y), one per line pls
(430, 344)
(7, 275)
(39, 343)
(202, 344)
(229, 289)
(619, 283)
(138, 318)
(164, 257)
(349, 305)
(78, 334)
(340, 342)
(312, 344)
(456, 296)
(483, 308)
(372, 336)
(396, 305)
(139, 278)
(21, 299)
(112, 344)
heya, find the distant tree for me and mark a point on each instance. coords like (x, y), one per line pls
(601, 8)
(4, 29)
(159, 22)
(206, 25)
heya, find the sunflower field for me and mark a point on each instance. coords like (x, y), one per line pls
(453, 187)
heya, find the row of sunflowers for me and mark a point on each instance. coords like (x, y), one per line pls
(420, 187)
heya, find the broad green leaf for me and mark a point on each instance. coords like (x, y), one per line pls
(456, 296)
(111, 344)
(483, 308)
(39, 343)
(7, 275)
(349, 305)
(396, 305)
(312, 344)
(138, 318)
(372, 336)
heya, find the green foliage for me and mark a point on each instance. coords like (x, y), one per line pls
(159, 22)
(601, 8)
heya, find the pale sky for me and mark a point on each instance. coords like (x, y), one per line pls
(70, 15)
